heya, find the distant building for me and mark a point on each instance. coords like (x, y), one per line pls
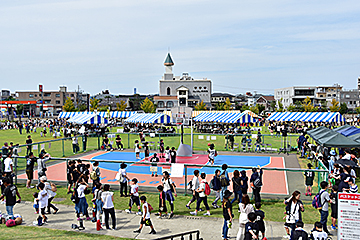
(291, 95)
(221, 98)
(327, 94)
(265, 101)
(54, 100)
(183, 91)
(351, 98)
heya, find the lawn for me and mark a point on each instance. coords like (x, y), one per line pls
(24, 232)
(274, 209)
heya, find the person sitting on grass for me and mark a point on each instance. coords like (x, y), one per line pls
(145, 218)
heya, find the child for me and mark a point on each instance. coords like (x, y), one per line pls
(43, 200)
(318, 233)
(167, 154)
(173, 155)
(202, 196)
(134, 196)
(227, 214)
(162, 202)
(212, 154)
(161, 148)
(309, 179)
(36, 202)
(334, 206)
(251, 228)
(260, 215)
(145, 218)
(153, 167)
(146, 151)
(137, 149)
(299, 233)
(353, 186)
(98, 203)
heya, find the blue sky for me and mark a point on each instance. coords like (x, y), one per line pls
(242, 46)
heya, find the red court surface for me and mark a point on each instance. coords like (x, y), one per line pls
(275, 182)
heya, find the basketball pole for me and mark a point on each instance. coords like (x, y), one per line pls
(192, 135)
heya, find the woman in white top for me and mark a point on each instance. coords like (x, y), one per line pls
(245, 208)
(108, 207)
(51, 194)
(123, 180)
(82, 205)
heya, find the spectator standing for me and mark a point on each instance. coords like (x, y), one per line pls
(82, 205)
(324, 211)
(28, 141)
(260, 215)
(161, 148)
(256, 183)
(10, 192)
(107, 198)
(244, 181)
(334, 207)
(134, 196)
(95, 173)
(236, 180)
(123, 180)
(309, 179)
(251, 228)
(71, 175)
(227, 214)
(9, 167)
(162, 202)
(216, 187)
(224, 180)
(41, 164)
(30, 161)
(293, 212)
(137, 149)
(173, 155)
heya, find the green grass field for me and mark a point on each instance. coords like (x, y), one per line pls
(24, 232)
(274, 209)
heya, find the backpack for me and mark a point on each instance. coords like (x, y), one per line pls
(316, 203)
(53, 187)
(150, 207)
(211, 185)
(257, 183)
(190, 185)
(93, 174)
(223, 180)
(207, 189)
(75, 196)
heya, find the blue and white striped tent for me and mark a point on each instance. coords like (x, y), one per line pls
(225, 117)
(149, 118)
(91, 118)
(122, 114)
(306, 117)
(69, 114)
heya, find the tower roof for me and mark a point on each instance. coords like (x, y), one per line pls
(168, 61)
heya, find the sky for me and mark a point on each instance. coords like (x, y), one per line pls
(256, 45)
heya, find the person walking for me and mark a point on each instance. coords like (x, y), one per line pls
(256, 183)
(216, 187)
(194, 186)
(202, 196)
(50, 188)
(244, 181)
(245, 209)
(169, 189)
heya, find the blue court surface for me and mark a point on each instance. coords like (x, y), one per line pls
(230, 160)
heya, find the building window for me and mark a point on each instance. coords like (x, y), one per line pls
(169, 104)
(204, 87)
(31, 95)
(35, 95)
(47, 101)
(57, 95)
(72, 95)
(350, 102)
(200, 87)
(168, 91)
(182, 92)
(47, 94)
(195, 87)
(57, 102)
(347, 96)
(160, 104)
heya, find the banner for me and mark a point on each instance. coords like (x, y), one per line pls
(348, 216)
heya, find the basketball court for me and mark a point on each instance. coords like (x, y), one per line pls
(57, 172)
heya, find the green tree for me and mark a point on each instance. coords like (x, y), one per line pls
(343, 108)
(254, 109)
(227, 105)
(103, 108)
(135, 102)
(323, 107)
(219, 106)
(94, 104)
(69, 105)
(307, 104)
(280, 106)
(245, 107)
(334, 106)
(273, 105)
(148, 106)
(357, 110)
(200, 106)
(82, 108)
(291, 108)
(260, 107)
(121, 106)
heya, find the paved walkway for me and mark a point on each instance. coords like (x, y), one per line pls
(210, 228)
